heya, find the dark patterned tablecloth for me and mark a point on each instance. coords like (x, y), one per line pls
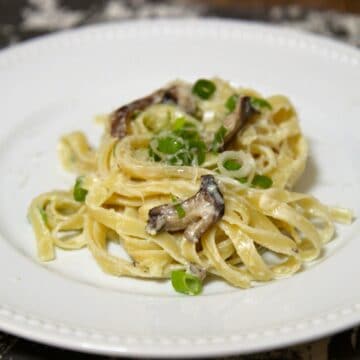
(24, 19)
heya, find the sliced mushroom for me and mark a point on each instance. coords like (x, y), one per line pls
(121, 117)
(238, 118)
(179, 94)
(202, 210)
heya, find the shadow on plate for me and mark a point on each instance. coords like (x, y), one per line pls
(308, 178)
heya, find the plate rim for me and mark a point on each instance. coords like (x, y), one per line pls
(322, 42)
(35, 329)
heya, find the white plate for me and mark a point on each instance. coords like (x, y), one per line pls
(56, 84)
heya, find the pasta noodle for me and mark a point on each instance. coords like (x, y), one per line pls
(266, 232)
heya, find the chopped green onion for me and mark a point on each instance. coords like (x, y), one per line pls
(153, 156)
(204, 89)
(259, 104)
(180, 146)
(79, 192)
(181, 159)
(198, 148)
(262, 181)
(179, 209)
(185, 283)
(242, 180)
(231, 165)
(179, 123)
(169, 145)
(201, 156)
(218, 139)
(43, 215)
(188, 131)
(231, 103)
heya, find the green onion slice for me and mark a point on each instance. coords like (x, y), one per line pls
(231, 103)
(169, 145)
(198, 150)
(180, 123)
(153, 156)
(235, 164)
(218, 140)
(174, 199)
(204, 89)
(187, 132)
(260, 104)
(231, 165)
(185, 283)
(262, 181)
(179, 209)
(183, 146)
(242, 180)
(79, 192)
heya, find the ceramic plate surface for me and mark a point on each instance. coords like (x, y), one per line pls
(58, 83)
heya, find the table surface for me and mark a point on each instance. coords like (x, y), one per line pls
(24, 19)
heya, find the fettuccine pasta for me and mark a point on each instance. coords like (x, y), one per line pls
(192, 180)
